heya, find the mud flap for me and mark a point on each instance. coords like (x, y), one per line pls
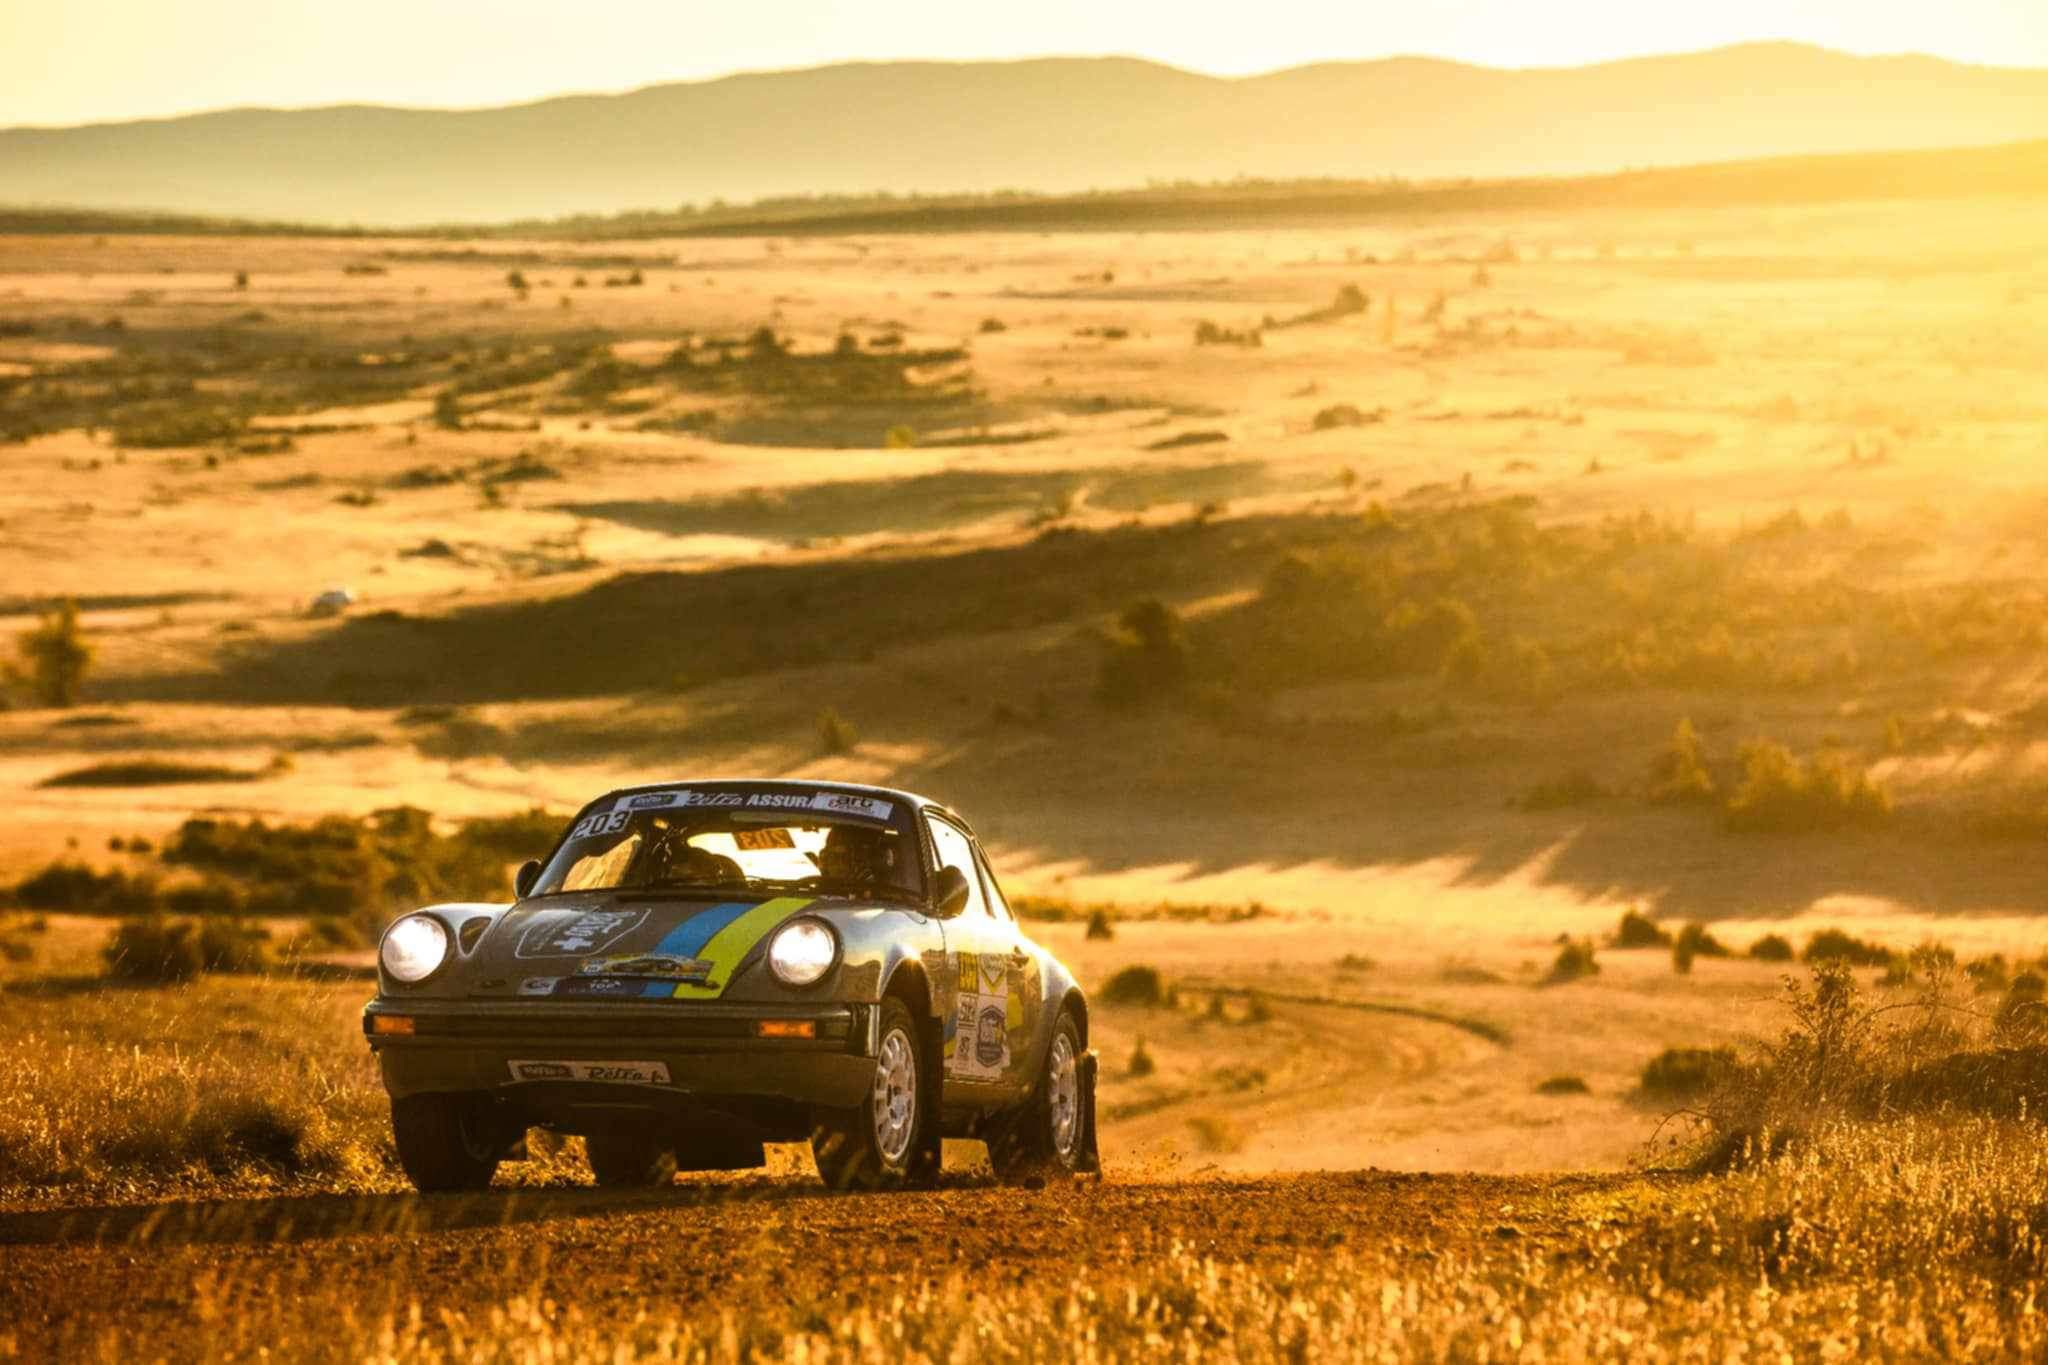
(1088, 1158)
(928, 1158)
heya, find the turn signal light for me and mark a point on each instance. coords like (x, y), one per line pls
(786, 1028)
(391, 1024)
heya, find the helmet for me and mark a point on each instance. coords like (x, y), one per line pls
(858, 853)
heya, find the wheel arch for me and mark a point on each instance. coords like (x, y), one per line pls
(908, 983)
(1077, 1004)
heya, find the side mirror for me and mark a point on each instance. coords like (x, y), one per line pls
(525, 877)
(949, 892)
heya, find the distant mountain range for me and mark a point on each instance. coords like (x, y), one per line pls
(1057, 124)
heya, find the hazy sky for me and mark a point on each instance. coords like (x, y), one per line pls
(73, 61)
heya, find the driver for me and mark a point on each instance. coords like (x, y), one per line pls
(673, 859)
(858, 853)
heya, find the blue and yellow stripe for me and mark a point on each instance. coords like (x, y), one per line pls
(722, 936)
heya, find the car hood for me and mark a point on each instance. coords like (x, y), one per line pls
(628, 947)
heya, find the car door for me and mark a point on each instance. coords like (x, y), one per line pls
(1027, 984)
(980, 1063)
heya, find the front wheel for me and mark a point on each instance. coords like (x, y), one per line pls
(443, 1143)
(1048, 1135)
(885, 1143)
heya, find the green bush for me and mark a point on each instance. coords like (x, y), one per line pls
(1422, 639)
(1574, 961)
(1563, 1085)
(1136, 985)
(1679, 775)
(1141, 1064)
(2022, 1017)
(1099, 924)
(232, 945)
(514, 838)
(1988, 974)
(1779, 794)
(332, 931)
(1640, 931)
(358, 868)
(154, 948)
(1701, 941)
(1772, 948)
(836, 734)
(1929, 962)
(164, 426)
(152, 772)
(1836, 945)
(53, 658)
(1208, 333)
(77, 888)
(1682, 954)
(211, 896)
(1680, 1074)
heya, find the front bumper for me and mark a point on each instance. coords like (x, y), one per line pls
(712, 1052)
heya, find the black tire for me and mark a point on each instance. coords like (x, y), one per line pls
(630, 1160)
(444, 1143)
(1043, 1137)
(886, 1143)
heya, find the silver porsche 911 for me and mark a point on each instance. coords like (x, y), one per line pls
(699, 968)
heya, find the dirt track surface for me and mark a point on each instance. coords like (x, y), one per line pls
(160, 1272)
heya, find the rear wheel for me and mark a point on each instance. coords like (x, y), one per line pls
(630, 1159)
(885, 1143)
(1044, 1137)
(444, 1143)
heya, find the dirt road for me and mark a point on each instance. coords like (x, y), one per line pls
(190, 1279)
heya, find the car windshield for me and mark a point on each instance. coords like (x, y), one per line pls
(726, 840)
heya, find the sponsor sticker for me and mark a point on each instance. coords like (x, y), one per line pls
(576, 933)
(644, 964)
(599, 985)
(978, 1035)
(991, 1037)
(538, 985)
(611, 1073)
(846, 803)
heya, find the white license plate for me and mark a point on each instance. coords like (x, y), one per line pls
(614, 1073)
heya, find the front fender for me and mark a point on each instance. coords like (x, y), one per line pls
(466, 922)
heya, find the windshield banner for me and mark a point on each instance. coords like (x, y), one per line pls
(831, 803)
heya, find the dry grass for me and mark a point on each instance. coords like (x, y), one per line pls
(215, 1087)
(1780, 1258)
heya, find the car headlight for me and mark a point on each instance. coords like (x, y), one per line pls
(414, 948)
(802, 951)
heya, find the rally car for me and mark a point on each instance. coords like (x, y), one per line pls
(702, 967)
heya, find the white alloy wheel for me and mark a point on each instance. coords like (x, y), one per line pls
(1063, 1095)
(895, 1098)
